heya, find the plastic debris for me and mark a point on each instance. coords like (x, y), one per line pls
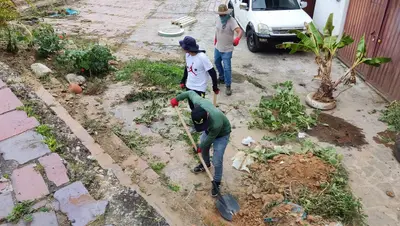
(71, 12)
(241, 160)
(301, 135)
(248, 141)
(296, 210)
(64, 12)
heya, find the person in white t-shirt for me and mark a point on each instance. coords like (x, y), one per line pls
(198, 69)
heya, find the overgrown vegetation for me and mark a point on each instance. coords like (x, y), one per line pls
(133, 140)
(173, 187)
(283, 112)
(325, 46)
(48, 40)
(20, 211)
(92, 61)
(391, 116)
(166, 75)
(49, 138)
(151, 113)
(95, 86)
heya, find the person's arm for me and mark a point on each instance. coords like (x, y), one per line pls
(211, 136)
(213, 75)
(193, 96)
(185, 75)
(239, 32)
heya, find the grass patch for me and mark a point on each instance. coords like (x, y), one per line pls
(39, 168)
(391, 116)
(28, 110)
(6, 176)
(49, 137)
(147, 95)
(166, 75)
(157, 166)
(133, 140)
(20, 211)
(283, 112)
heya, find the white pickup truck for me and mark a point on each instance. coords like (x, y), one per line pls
(269, 21)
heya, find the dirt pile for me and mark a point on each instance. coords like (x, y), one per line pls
(281, 179)
(337, 131)
(387, 138)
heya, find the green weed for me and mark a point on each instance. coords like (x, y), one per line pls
(48, 40)
(39, 168)
(28, 109)
(173, 187)
(28, 218)
(166, 75)
(151, 114)
(133, 140)
(391, 115)
(282, 112)
(19, 211)
(6, 176)
(157, 166)
(49, 138)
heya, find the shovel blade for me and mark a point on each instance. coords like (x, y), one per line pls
(227, 206)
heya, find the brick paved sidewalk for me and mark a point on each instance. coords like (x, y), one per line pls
(30, 172)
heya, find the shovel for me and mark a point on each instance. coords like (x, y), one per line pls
(226, 204)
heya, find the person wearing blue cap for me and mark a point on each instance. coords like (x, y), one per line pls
(198, 69)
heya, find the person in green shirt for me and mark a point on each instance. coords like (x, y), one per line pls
(216, 130)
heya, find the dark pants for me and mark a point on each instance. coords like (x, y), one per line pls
(202, 94)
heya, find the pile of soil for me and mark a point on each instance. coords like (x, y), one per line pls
(282, 178)
(337, 131)
(387, 138)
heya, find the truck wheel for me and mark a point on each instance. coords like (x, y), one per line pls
(230, 6)
(252, 41)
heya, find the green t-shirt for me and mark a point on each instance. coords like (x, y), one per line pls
(219, 125)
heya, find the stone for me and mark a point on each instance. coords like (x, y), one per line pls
(80, 207)
(24, 147)
(7, 205)
(8, 101)
(15, 122)
(40, 70)
(5, 187)
(44, 219)
(55, 169)
(28, 184)
(74, 78)
(2, 84)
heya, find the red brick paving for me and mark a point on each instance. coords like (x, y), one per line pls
(14, 123)
(8, 101)
(55, 169)
(28, 184)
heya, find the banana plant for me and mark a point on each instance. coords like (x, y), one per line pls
(325, 46)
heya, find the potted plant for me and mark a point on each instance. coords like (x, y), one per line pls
(325, 46)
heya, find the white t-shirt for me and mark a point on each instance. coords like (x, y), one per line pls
(197, 68)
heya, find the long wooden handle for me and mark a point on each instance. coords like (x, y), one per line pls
(215, 99)
(193, 143)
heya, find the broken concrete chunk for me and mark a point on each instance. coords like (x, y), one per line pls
(74, 78)
(40, 70)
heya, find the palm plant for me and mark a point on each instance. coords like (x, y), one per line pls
(325, 46)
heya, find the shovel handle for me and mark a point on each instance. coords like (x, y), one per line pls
(215, 99)
(193, 143)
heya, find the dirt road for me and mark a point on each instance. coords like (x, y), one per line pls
(131, 28)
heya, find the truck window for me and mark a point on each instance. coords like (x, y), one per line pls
(260, 5)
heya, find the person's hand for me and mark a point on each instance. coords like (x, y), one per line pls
(236, 41)
(196, 150)
(174, 102)
(215, 41)
(182, 85)
(216, 90)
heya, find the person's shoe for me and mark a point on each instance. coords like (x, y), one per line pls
(228, 90)
(221, 81)
(199, 169)
(215, 189)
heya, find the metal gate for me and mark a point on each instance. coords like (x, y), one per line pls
(379, 20)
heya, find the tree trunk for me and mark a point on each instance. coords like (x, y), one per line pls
(325, 90)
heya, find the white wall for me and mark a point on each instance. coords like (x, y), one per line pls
(325, 7)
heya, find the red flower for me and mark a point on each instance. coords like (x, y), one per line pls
(61, 37)
(83, 70)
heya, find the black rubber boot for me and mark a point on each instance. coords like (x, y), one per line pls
(228, 90)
